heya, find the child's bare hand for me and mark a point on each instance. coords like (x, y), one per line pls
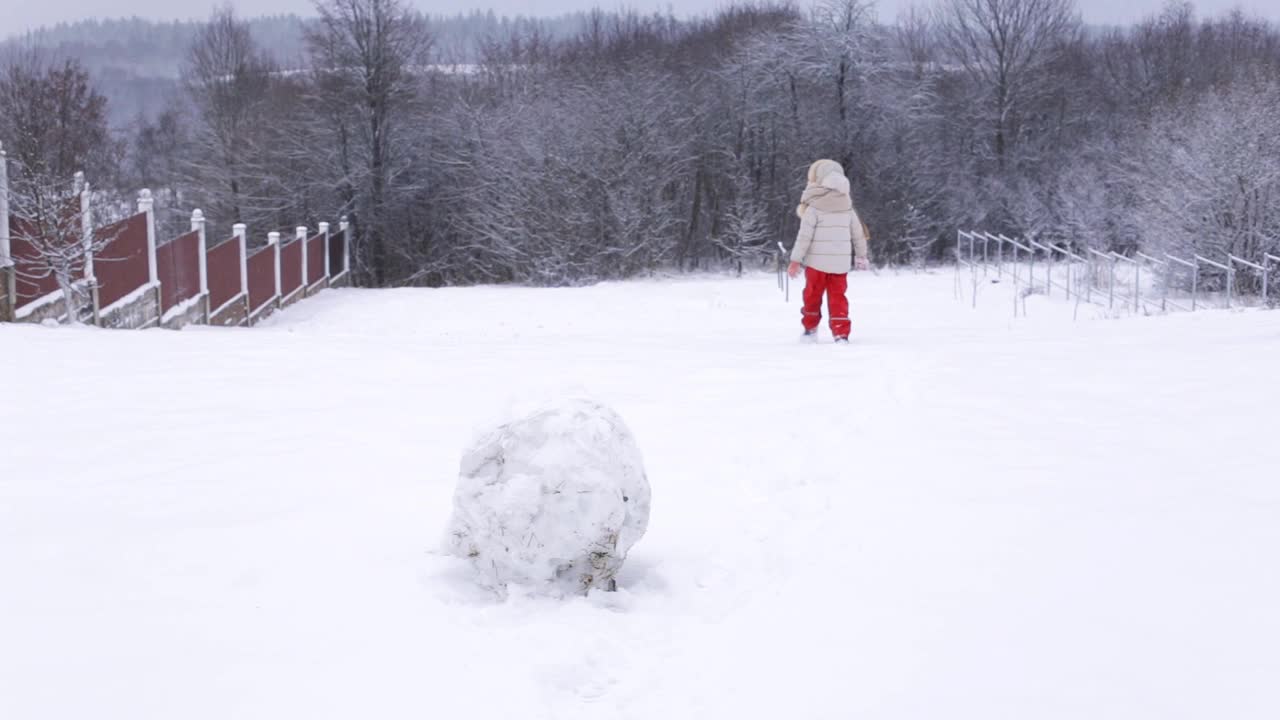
(794, 269)
(861, 264)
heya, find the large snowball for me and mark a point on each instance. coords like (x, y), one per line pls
(551, 502)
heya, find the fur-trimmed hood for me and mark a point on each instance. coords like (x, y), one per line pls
(828, 189)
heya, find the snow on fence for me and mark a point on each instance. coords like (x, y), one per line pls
(135, 281)
(7, 291)
(1137, 283)
(339, 249)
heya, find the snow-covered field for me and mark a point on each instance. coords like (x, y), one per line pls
(958, 516)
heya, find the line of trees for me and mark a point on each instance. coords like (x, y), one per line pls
(646, 142)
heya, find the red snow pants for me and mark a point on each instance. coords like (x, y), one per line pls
(818, 283)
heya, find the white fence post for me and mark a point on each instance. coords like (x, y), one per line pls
(273, 239)
(86, 226)
(5, 249)
(202, 247)
(345, 226)
(1017, 283)
(86, 241)
(300, 233)
(988, 238)
(1225, 268)
(240, 230)
(147, 204)
(1261, 268)
(1014, 244)
(8, 278)
(324, 230)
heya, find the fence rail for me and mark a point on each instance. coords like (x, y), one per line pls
(1137, 282)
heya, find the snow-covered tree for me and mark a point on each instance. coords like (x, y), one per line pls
(1207, 178)
(54, 124)
(53, 121)
(53, 223)
(1006, 48)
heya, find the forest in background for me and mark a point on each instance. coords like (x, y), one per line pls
(612, 144)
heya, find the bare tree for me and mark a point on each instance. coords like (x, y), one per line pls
(372, 52)
(1004, 46)
(158, 159)
(53, 122)
(228, 81)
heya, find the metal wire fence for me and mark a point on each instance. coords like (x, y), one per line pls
(1136, 283)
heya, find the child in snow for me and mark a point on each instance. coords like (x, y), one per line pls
(832, 240)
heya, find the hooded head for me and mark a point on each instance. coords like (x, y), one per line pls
(828, 189)
(822, 169)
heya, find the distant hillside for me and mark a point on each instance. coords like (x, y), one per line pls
(146, 49)
(136, 61)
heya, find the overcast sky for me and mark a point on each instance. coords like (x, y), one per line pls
(21, 15)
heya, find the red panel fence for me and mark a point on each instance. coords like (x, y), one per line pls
(290, 268)
(122, 267)
(337, 254)
(178, 263)
(223, 268)
(262, 278)
(33, 280)
(315, 260)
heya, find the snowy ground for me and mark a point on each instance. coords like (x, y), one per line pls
(959, 516)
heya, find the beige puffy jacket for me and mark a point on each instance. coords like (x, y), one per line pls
(831, 233)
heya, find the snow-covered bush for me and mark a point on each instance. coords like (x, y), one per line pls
(552, 501)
